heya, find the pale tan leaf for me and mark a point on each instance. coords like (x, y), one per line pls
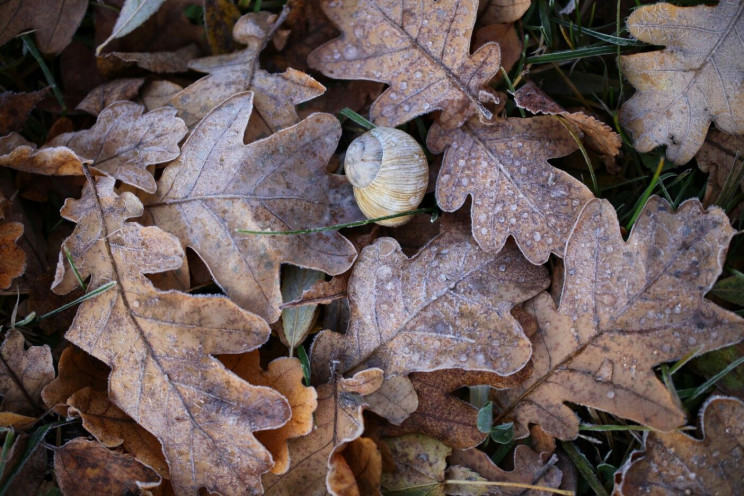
(18, 153)
(421, 51)
(338, 420)
(219, 185)
(625, 307)
(23, 374)
(694, 81)
(53, 21)
(676, 464)
(159, 346)
(133, 13)
(515, 191)
(110, 92)
(447, 307)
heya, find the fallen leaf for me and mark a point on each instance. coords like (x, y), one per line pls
(115, 63)
(219, 18)
(108, 93)
(338, 420)
(77, 370)
(133, 13)
(356, 470)
(617, 318)
(421, 52)
(321, 292)
(285, 376)
(718, 156)
(420, 462)
(218, 185)
(23, 374)
(15, 107)
(157, 94)
(597, 135)
(12, 256)
(675, 463)
(23, 470)
(10, 419)
(501, 11)
(16, 152)
(537, 469)
(447, 307)
(694, 81)
(86, 467)
(112, 427)
(508, 39)
(296, 322)
(124, 141)
(275, 95)
(158, 345)
(515, 191)
(54, 22)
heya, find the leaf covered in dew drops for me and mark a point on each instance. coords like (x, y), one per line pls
(159, 345)
(692, 82)
(420, 49)
(617, 318)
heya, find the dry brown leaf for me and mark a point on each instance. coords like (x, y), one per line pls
(322, 292)
(218, 185)
(219, 18)
(112, 427)
(356, 470)
(597, 135)
(275, 94)
(156, 94)
(15, 107)
(422, 52)
(441, 414)
(694, 81)
(159, 343)
(110, 92)
(501, 11)
(515, 191)
(420, 462)
(508, 39)
(12, 256)
(447, 307)
(28, 479)
(617, 317)
(297, 322)
(338, 420)
(86, 467)
(529, 468)
(284, 375)
(10, 419)
(53, 21)
(677, 464)
(114, 63)
(717, 157)
(23, 374)
(18, 153)
(124, 141)
(77, 370)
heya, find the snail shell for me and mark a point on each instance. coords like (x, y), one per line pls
(389, 174)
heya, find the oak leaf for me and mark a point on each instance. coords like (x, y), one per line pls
(617, 317)
(501, 11)
(338, 420)
(420, 462)
(15, 107)
(23, 374)
(76, 370)
(284, 375)
(275, 95)
(109, 92)
(112, 427)
(504, 167)
(158, 345)
(218, 185)
(18, 153)
(420, 49)
(720, 156)
(356, 470)
(675, 463)
(54, 22)
(447, 307)
(12, 256)
(86, 467)
(694, 81)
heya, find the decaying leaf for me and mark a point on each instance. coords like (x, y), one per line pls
(618, 318)
(296, 322)
(114, 63)
(158, 345)
(23, 472)
(112, 427)
(338, 420)
(219, 18)
(721, 157)
(124, 141)
(420, 462)
(284, 375)
(515, 191)
(86, 467)
(275, 94)
(18, 153)
(218, 185)
(109, 92)
(53, 21)
(537, 469)
(447, 307)
(694, 81)
(675, 463)
(501, 11)
(322, 292)
(420, 49)
(77, 370)
(23, 374)
(15, 107)
(12, 256)
(356, 470)
(133, 13)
